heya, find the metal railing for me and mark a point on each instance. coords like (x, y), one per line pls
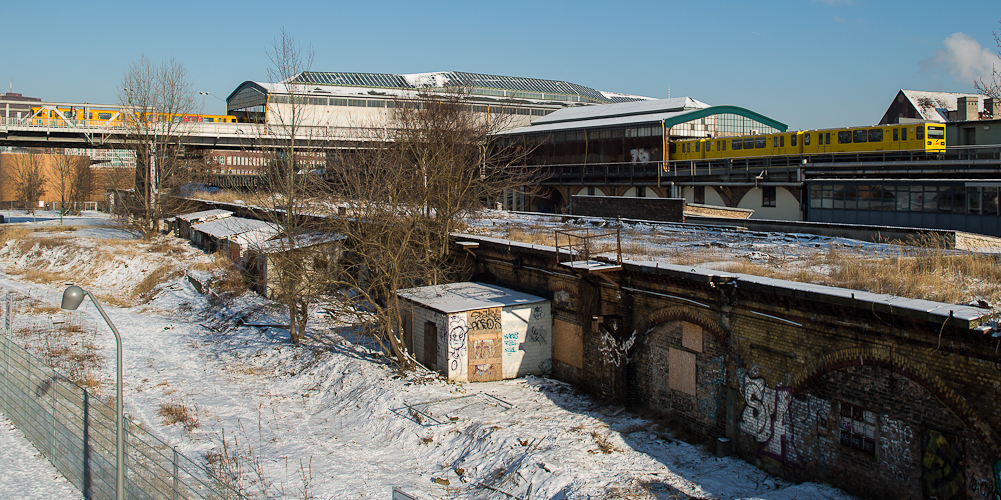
(76, 432)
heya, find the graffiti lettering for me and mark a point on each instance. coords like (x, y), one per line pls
(482, 370)
(785, 426)
(534, 335)
(510, 342)
(489, 319)
(537, 313)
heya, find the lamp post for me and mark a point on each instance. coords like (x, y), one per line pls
(203, 94)
(72, 298)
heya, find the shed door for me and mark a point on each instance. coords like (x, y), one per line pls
(431, 345)
(485, 348)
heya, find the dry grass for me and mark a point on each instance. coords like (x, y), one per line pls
(13, 233)
(54, 229)
(174, 413)
(223, 196)
(145, 288)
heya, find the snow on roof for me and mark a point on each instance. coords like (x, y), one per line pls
(675, 104)
(935, 106)
(231, 226)
(301, 241)
(205, 214)
(466, 296)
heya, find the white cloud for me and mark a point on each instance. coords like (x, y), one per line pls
(964, 58)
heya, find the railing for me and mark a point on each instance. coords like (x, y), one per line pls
(76, 432)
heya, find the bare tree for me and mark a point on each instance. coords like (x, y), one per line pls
(402, 201)
(65, 169)
(292, 152)
(156, 99)
(992, 88)
(84, 184)
(28, 177)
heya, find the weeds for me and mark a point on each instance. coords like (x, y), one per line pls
(174, 413)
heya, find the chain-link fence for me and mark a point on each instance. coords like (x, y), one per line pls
(76, 432)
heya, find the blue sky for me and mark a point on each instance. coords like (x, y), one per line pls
(809, 64)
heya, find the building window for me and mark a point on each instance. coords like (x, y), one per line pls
(590, 190)
(700, 195)
(768, 196)
(858, 429)
(641, 191)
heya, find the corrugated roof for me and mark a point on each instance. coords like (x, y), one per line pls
(301, 241)
(466, 296)
(935, 106)
(230, 226)
(655, 118)
(205, 214)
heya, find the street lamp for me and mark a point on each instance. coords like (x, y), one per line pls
(203, 94)
(72, 298)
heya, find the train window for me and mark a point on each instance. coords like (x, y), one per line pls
(845, 137)
(672, 148)
(782, 141)
(919, 133)
(792, 140)
(828, 138)
(775, 142)
(903, 134)
(761, 142)
(875, 135)
(806, 140)
(859, 136)
(896, 134)
(724, 146)
(104, 116)
(696, 147)
(936, 132)
(737, 144)
(749, 143)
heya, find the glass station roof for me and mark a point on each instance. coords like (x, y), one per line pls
(529, 88)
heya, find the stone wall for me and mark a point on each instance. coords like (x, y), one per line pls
(880, 396)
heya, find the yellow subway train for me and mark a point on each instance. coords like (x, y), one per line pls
(96, 116)
(928, 137)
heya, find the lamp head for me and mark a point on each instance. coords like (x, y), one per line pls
(72, 298)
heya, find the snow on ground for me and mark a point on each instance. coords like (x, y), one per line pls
(27, 474)
(332, 418)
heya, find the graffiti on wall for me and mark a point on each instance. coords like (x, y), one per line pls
(612, 351)
(457, 331)
(712, 376)
(486, 319)
(895, 443)
(785, 427)
(941, 467)
(534, 335)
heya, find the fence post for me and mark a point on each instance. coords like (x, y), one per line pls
(175, 473)
(52, 418)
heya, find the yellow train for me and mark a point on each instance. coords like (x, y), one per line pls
(926, 137)
(96, 116)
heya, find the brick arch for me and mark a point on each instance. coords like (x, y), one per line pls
(691, 315)
(897, 363)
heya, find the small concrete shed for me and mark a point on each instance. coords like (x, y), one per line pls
(477, 332)
(182, 223)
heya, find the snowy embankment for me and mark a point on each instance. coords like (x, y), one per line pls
(333, 418)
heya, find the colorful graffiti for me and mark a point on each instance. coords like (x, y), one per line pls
(942, 468)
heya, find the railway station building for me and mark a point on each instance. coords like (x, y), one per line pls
(357, 101)
(618, 150)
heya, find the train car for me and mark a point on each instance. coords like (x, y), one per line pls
(97, 116)
(929, 137)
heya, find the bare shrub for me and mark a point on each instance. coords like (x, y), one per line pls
(174, 413)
